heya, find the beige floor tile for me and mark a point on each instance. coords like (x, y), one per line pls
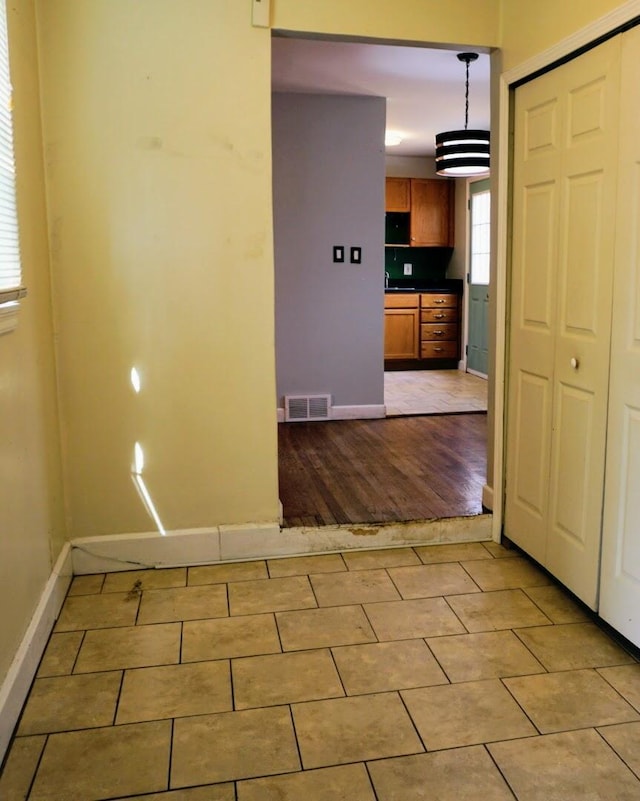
(573, 766)
(86, 585)
(272, 595)
(489, 655)
(452, 552)
(60, 654)
(173, 691)
(97, 612)
(499, 551)
(505, 574)
(626, 680)
(556, 604)
(284, 678)
(364, 586)
(134, 581)
(391, 557)
(573, 646)
(323, 628)
(571, 699)
(104, 763)
(221, 574)
(211, 792)
(429, 581)
(408, 620)
(20, 767)
(381, 667)
(233, 745)
(325, 784)
(224, 638)
(470, 713)
(625, 741)
(462, 774)
(354, 729)
(71, 702)
(183, 603)
(303, 565)
(491, 611)
(136, 646)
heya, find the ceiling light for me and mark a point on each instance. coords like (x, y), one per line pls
(391, 138)
(463, 153)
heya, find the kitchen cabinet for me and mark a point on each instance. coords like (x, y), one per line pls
(439, 326)
(397, 194)
(426, 205)
(401, 321)
(422, 327)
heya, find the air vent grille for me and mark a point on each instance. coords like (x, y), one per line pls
(299, 408)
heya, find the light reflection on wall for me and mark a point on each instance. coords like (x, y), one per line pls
(138, 466)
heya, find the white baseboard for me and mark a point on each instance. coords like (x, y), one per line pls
(16, 685)
(367, 412)
(262, 541)
(118, 552)
(487, 497)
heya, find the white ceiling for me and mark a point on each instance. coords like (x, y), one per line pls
(424, 87)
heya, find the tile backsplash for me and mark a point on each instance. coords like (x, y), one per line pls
(428, 264)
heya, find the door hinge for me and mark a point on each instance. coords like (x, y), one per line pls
(466, 350)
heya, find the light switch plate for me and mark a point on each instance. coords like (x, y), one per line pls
(261, 13)
(356, 255)
(408, 269)
(338, 254)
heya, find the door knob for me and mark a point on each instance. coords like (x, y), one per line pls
(574, 363)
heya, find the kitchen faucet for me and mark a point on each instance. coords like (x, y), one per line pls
(386, 279)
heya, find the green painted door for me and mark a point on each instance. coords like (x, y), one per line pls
(478, 321)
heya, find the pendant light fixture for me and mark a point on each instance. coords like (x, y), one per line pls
(461, 154)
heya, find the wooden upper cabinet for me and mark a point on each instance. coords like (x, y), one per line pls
(397, 194)
(432, 208)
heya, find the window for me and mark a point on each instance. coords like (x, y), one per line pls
(11, 289)
(480, 236)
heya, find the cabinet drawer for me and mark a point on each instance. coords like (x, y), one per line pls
(435, 331)
(444, 314)
(439, 350)
(438, 300)
(400, 301)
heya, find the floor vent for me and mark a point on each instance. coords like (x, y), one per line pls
(299, 408)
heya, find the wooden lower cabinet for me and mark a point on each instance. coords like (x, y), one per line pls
(422, 328)
(439, 326)
(401, 326)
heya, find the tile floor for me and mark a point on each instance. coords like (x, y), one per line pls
(443, 673)
(433, 392)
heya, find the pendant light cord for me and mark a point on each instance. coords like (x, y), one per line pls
(466, 99)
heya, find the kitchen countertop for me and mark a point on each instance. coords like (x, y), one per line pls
(453, 285)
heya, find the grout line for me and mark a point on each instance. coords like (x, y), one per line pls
(499, 769)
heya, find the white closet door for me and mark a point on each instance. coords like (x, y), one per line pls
(563, 241)
(620, 582)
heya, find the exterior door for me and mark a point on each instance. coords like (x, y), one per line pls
(620, 577)
(479, 254)
(565, 164)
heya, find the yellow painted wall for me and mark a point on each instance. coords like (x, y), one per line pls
(31, 509)
(530, 28)
(157, 133)
(434, 21)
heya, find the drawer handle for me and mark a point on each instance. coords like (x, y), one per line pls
(438, 333)
(439, 316)
(439, 300)
(438, 350)
(575, 363)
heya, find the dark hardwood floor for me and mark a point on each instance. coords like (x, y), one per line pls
(375, 471)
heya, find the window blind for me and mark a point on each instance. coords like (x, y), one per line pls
(10, 272)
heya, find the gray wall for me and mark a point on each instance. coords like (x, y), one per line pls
(328, 189)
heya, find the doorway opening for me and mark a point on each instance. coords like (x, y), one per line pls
(329, 303)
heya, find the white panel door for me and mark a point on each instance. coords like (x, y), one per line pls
(563, 243)
(620, 576)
